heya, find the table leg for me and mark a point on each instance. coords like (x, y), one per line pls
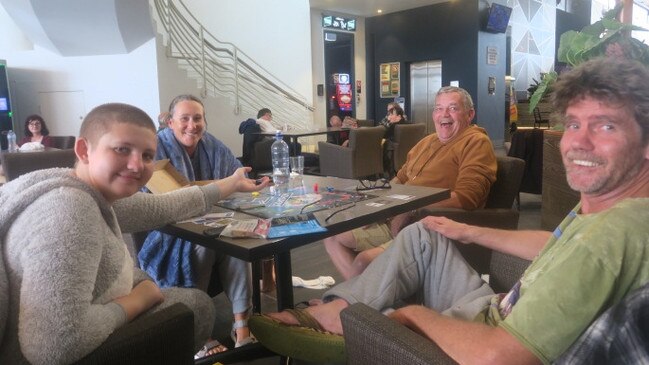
(256, 289)
(295, 153)
(284, 280)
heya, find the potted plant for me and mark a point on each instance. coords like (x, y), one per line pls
(607, 37)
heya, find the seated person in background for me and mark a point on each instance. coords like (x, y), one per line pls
(71, 280)
(265, 121)
(172, 261)
(337, 137)
(36, 131)
(596, 257)
(341, 138)
(350, 122)
(459, 157)
(395, 116)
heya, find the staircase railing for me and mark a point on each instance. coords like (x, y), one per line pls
(225, 70)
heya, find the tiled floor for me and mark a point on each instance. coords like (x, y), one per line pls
(311, 261)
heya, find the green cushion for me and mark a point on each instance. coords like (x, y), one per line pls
(302, 343)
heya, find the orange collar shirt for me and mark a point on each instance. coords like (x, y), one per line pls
(466, 165)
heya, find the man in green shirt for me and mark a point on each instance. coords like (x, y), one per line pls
(596, 256)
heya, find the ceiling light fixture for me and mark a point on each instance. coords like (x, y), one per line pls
(379, 11)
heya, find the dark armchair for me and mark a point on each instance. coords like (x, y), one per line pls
(164, 337)
(406, 137)
(499, 211)
(63, 142)
(372, 338)
(18, 163)
(362, 158)
(256, 147)
(365, 122)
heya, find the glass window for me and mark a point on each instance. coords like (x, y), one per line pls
(640, 18)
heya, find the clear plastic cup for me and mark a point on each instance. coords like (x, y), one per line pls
(297, 164)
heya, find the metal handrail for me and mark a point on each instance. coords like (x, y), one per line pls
(226, 70)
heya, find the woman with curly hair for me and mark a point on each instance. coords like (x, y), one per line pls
(36, 131)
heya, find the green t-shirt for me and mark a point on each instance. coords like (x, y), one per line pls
(591, 262)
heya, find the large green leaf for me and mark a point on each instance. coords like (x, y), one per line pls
(612, 24)
(594, 29)
(567, 46)
(591, 42)
(543, 90)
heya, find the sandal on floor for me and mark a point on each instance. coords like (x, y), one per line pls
(246, 341)
(306, 341)
(211, 345)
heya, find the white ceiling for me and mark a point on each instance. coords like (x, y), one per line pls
(367, 8)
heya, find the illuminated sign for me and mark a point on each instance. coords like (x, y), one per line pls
(338, 22)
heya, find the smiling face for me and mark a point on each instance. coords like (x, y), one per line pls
(119, 163)
(188, 124)
(35, 126)
(450, 115)
(601, 147)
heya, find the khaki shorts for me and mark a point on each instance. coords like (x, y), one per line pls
(374, 235)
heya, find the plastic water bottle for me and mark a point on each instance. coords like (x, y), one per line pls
(281, 168)
(12, 146)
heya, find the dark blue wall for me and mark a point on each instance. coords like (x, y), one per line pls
(448, 32)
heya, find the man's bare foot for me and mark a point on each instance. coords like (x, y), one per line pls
(327, 315)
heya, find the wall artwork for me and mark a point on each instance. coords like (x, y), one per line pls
(390, 75)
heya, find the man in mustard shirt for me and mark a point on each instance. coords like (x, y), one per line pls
(596, 256)
(459, 156)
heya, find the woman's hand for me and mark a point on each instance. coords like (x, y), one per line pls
(244, 184)
(239, 182)
(142, 297)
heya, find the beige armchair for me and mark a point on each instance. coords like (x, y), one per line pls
(362, 158)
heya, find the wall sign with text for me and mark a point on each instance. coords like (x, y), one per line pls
(390, 79)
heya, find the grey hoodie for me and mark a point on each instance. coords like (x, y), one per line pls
(64, 261)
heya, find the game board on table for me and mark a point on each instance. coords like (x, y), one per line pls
(292, 203)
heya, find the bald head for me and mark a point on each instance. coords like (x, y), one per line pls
(101, 119)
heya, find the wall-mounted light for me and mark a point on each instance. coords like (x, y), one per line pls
(379, 11)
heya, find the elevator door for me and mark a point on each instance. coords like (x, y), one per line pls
(425, 80)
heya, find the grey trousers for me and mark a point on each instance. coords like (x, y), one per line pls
(420, 266)
(235, 276)
(202, 306)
